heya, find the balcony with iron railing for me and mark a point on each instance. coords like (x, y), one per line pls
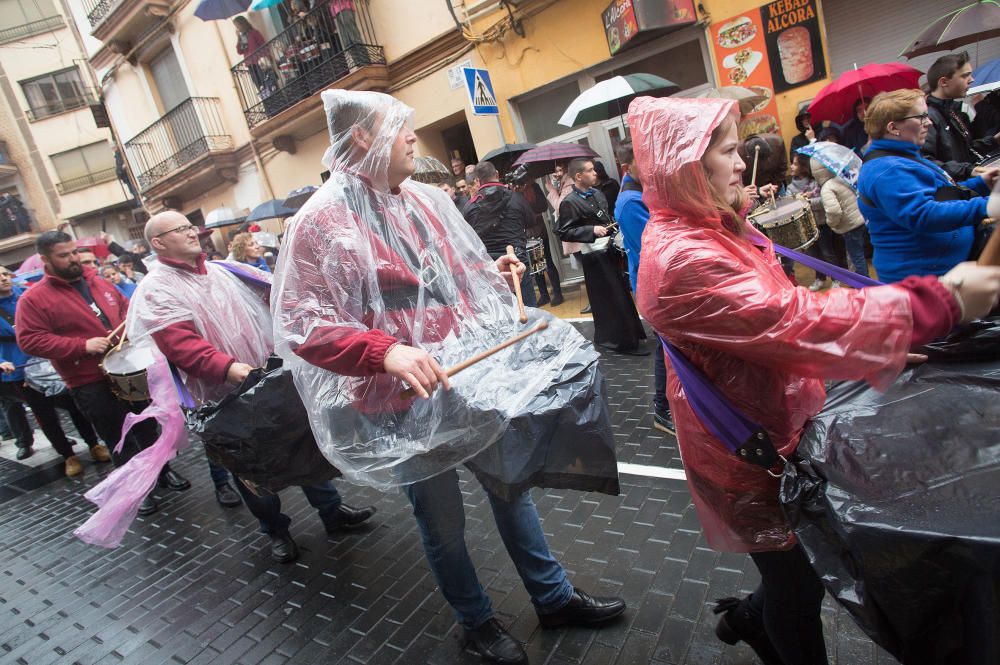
(123, 20)
(84, 98)
(85, 181)
(25, 30)
(187, 149)
(310, 55)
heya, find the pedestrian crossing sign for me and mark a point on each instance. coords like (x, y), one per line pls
(480, 89)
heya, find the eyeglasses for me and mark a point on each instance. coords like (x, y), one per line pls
(923, 117)
(187, 228)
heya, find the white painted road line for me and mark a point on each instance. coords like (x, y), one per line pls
(651, 471)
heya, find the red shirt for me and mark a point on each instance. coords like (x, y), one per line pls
(54, 321)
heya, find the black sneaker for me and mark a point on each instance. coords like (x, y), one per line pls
(664, 422)
(24, 453)
(738, 623)
(557, 300)
(492, 641)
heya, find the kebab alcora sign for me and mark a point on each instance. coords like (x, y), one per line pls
(770, 50)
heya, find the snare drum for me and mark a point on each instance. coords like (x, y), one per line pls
(125, 367)
(990, 161)
(789, 224)
(536, 254)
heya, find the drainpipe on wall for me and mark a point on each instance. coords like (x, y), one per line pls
(269, 191)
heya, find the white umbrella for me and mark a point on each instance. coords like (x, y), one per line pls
(611, 98)
(222, 217)
(748, 99)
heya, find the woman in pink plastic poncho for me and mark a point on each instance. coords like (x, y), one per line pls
(711, 285)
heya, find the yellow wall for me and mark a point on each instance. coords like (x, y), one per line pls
(402, 26)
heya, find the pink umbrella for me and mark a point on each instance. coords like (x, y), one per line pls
(836, 101)
(30, 264)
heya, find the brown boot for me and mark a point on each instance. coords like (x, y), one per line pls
(73, 466)
(99, 453)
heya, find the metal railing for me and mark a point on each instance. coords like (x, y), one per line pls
(310, 54)
(86, 98)
(28, 29)
(188, 131)
(98, 10)
(85, 181)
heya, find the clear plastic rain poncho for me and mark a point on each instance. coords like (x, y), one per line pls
(727, 305)
(360, 263)
(229, 313)
(843, 162)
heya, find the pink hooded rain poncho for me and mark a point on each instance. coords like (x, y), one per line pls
(725, 303)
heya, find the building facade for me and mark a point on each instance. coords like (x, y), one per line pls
(57, 167)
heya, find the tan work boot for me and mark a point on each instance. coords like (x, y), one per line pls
(99, 453)
(73, 466)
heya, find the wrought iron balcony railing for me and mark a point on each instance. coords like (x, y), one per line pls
(85, 98)
(98, 10)
(188, 131)
(313, 52)
(85, 181)
(28, 29)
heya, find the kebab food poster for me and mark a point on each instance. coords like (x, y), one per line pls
(769, 50)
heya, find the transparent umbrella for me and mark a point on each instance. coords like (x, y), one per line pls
(843, 162)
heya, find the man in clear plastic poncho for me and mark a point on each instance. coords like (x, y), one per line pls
(375, 272)
(215, 328)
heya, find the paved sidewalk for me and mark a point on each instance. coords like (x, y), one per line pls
(194, 583)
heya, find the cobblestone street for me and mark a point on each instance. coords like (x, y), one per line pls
(194, 583)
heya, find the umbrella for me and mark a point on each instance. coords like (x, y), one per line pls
(503, 157)
(217, 10)
(843, 162)
(30, 264)
(222, 217)
(542, 160)
(430, 170)
(298, 197)
(273, 209)
(94, 244)
(986, 77)
(967, 25)
(749, 100)
(835, 102)
(264, 4)
(610, 98)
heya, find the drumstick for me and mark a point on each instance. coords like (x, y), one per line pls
(990, 255)
(465, 364)
(756, 156)
(522, 315)
(116, 331)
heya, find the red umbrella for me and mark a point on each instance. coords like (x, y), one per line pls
(970, 24)
(836, 101)
(542, 160)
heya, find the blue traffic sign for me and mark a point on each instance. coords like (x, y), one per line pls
(480, 89)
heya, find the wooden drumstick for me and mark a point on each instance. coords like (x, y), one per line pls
(522, 315)
(117, 330)
(465, 364)
(990, 255)
(756, 156)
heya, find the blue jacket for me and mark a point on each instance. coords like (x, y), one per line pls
(9, 350)
(632, 215)
(126, 288)
(912, 233)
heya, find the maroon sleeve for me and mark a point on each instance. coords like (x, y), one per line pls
(254, 41)
(935, 310)
(358, 354)
(34, 336)
(189, 351)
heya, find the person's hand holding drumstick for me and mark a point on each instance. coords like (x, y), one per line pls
(505, 264)
(98, 345)
(417, 368)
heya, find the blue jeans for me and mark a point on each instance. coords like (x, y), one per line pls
(854, 242)
(218, 473)
(440, 513)
(324, 497)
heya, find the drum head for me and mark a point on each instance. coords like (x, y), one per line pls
(788, 209)
(128, 360)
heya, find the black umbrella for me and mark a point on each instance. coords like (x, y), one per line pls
(273, 209)
(504, 156)
(298, 197)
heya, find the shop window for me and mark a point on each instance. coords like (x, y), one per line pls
(683, 64)
(540, 113)
(84, 166)
(54, 93)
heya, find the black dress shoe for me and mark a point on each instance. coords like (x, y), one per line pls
(148, 506)
(227, 496)
(738, 622)
(542, 302)
(583, 609)
(495, 644)
(665, 422)
(24, 453)
(557, 300)
(283, 548)
(173, 480)
(347, 517)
